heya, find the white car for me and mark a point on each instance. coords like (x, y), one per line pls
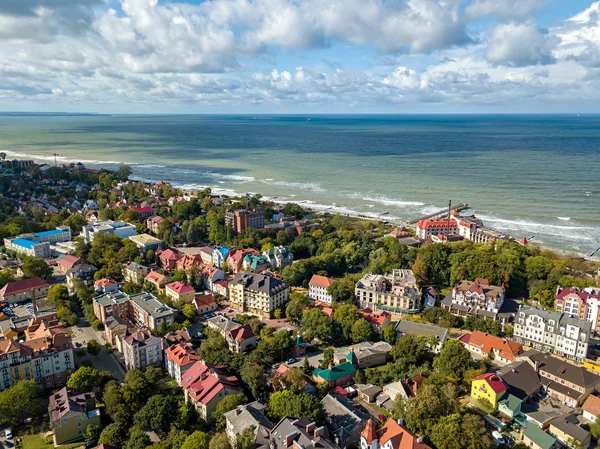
(498, 437)
(8, 434)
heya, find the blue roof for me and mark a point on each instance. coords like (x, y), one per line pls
(224, 250)
(52, 232)
(25, 243)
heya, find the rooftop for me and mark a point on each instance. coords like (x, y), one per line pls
(335, 372)
(151, 305)
(25, 243)
(539, 437)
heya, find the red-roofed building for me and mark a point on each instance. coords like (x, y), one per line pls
(426, 229)
(241, 338)
(106, 285)
(391, 436)
(488, 389)
(317, 288)
(157, 279)
(206, 385)
(204, 303)
(379, 320)
(578, 303)
(178, 359)
(23, 289)
(323, 307)
(168, 259)
(499, 349)
(154, 223)
(144, 212)
(179, 291)
(66, 262)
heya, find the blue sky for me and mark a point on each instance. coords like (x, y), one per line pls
(296, 56)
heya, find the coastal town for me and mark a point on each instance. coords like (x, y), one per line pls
(137, 315)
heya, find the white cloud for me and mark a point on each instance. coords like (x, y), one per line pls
(520, 44)
(505, 9)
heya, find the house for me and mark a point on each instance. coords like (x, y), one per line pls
(206, 385)
(180, 292)
(145, 212)
(501, 350)
(206, 254)
(135, 273)
(412, 384)
(221, 324)
(71, 413)
(317, 288)
(257, 294)
(234, 260)
(251, 416)
(23, 289)
(344, 420)
(146, 242)
(365, 354)
(157, 279)
(391, 436)
(591, 408)
(241, 339)
(394, 389)
(535, 438)
(293, 433)
(566, 429)
(66, 262)
(378, 320)
(438, 334)
(178, 359)
(521, 378)
(368, 392)
(168, 258)
(335, 375)
(219, 256)
(254, 263)
(396, 292)
(488, 389)
(84, 272)
(153, 223)
(221, 287)
(278, 257)
(475, 298)
(204, 303)
(142, 349)
(118, 228)
(115, 330)
(214, 278)
(189, 261)
(106, 285)
(280, 382)
(510, 405)
(176, 337)
(239, 220)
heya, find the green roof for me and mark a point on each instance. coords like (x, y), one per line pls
(351, 357)
(299, 341)
(336, 372)
(511, 402)
(538, 436)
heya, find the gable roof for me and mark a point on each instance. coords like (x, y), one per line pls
(592, 405)
(241, 333)
(493, 381)
(23, 285)
(179, 287)
(521, 379)
(202, 301)
(336, 372)
(321, 281)
(399, 437)
(538, 436)
(577, 375)
(169, 254)
(203, 382)
(156, 277)
(507, 349)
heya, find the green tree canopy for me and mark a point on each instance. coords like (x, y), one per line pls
(288, 403)
(19, 402)
(36, 267)
(197, 440)
(453, 360)
(227, 404)
(85, 379)
(316, 324)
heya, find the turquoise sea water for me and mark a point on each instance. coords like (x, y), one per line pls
(528, 175)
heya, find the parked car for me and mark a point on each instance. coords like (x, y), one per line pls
(291, 360)
(498, 437)
(8, 434)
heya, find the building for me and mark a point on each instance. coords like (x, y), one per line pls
(145, 212)
(475, 298)
(566, 429)
(24, 289)
(279, 257)
(426, 229)
(248, 416)
(168, 258)
(206, 385)
(141, 349)
(488, 388)
(219, 255)
(257, 294)
(28, 247)
(344, 420)
(106, 285)
(84, 272)
(60, 234)
(501, 350)
(239, 220)
(335, 375)
(552, 332)
(178, 359)
(178, 291)
(146, 242)
(521, 378)
(221, 324)
(255, 263)
(66, 262)
(293, 433)
(535, 438)
(45, 355)
(241, 339)
(115, 330)
(153, 223)
(396, 292)
(510, 406)
(365, 354)
(118, 228)
(367, 392)
(591, 408)
(580, 304)
(391, 436)
(204, 303)
(71, 413)
(156, 279)
(563, 381)
(135, 273)
(112, 304)
(379, 320)
(317, 288)
(437, 334)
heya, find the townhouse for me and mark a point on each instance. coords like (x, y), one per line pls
(135, 273)
(178, 359)
(142, 349)
(501, 350)
(475, 298)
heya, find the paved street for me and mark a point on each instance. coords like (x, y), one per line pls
(314, 359)
(83, 333)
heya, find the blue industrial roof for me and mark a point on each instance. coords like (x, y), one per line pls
(25, 243)
(52, 232)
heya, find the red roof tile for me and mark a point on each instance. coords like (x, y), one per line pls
(493, 381)
(321, 281)
(24, 285)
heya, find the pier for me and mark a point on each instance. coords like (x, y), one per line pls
(440, 213)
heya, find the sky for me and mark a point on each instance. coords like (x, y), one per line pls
(300, 56)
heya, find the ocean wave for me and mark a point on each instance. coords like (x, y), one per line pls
(312, 186)
(62, 159)
(386, 201)
(564, 218)
(238, 179)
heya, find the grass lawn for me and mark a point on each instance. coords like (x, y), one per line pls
(36, 441)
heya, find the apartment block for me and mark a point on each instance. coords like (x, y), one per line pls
(142, 349)
(257, 294)
(239, 220)
(396, 292)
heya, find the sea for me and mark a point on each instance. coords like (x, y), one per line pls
(534, 176)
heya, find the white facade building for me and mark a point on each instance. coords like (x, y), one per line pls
(397, 292)
(118, 228)
(317, 288)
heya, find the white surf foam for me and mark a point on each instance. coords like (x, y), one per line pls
(312, 186)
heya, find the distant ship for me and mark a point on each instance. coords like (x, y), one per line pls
(308, 119)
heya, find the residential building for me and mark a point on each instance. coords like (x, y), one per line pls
(206, 254)
(501, 350)
(317, 288)
(204, 303)
(235, 258)
(396, 292)
(146, 242)
(45, 355)
(535, 438)
(365, 354)
(257, 294)
(438, 334)
(591, 408)
(28, 247)
(475, 298)
(239, 220)
(251, 416)
(71, 413)
(580, 304)
(153, 223)
(115, 330)
(521, 378)
(567, 430)
(378, 320)
(553, 332)
(157, 279)
(106, 285)
(176, 337)
(135, 273)
(112, 304)
(168, 258)
(84, 272)
(23, 289)
(335, 375)
(563, 381)
(254, 263)
(344, 420)
(219, 256)
(279, 257)
(488, 388)
(118, 228)
(367, 392)
(241, 339)
(426, 229)
(206, 385)
(149, 312)
(66, 262)
(213, 278)
(145, 212)
(292, 433)
(391, 436)
(178, 359)
(221, 324)
(180, 292)
(510, 406)
(141, 349)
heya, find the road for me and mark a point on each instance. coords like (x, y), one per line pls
(314, 360)
(83, 333)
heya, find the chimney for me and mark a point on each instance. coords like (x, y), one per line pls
(330, 366)
(420, 440)
(400, 421)
(311, 427)
(319, 432)
(238, 411)
(289, 438)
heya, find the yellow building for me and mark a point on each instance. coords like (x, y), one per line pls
(488, 388)
(71, 413)
(180, 292)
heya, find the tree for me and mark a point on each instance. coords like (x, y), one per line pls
(289, 403)
(91, 434)
(453, 360)
(361, 331)
(306, 368)
(228, 403)
(389, 334)
(113, 435)
(189, 311)
(295, 307)
(219, 441)
(123, 173)
(345, 316)
(138, 439)
(246, 439)
(85, 379)
(93, 348)
(342, 290)
(253, 375)
(36, 267)
(458, 431)
(6, 276)
(58, 295)
(595, 429)
(277, 314)
(76, 222)
(19, 402)
(197, 440)
(327, 358)
(315, 324)
(158, 414)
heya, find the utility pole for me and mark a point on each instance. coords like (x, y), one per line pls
(55, 164)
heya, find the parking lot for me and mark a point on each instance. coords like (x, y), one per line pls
(6, 442)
